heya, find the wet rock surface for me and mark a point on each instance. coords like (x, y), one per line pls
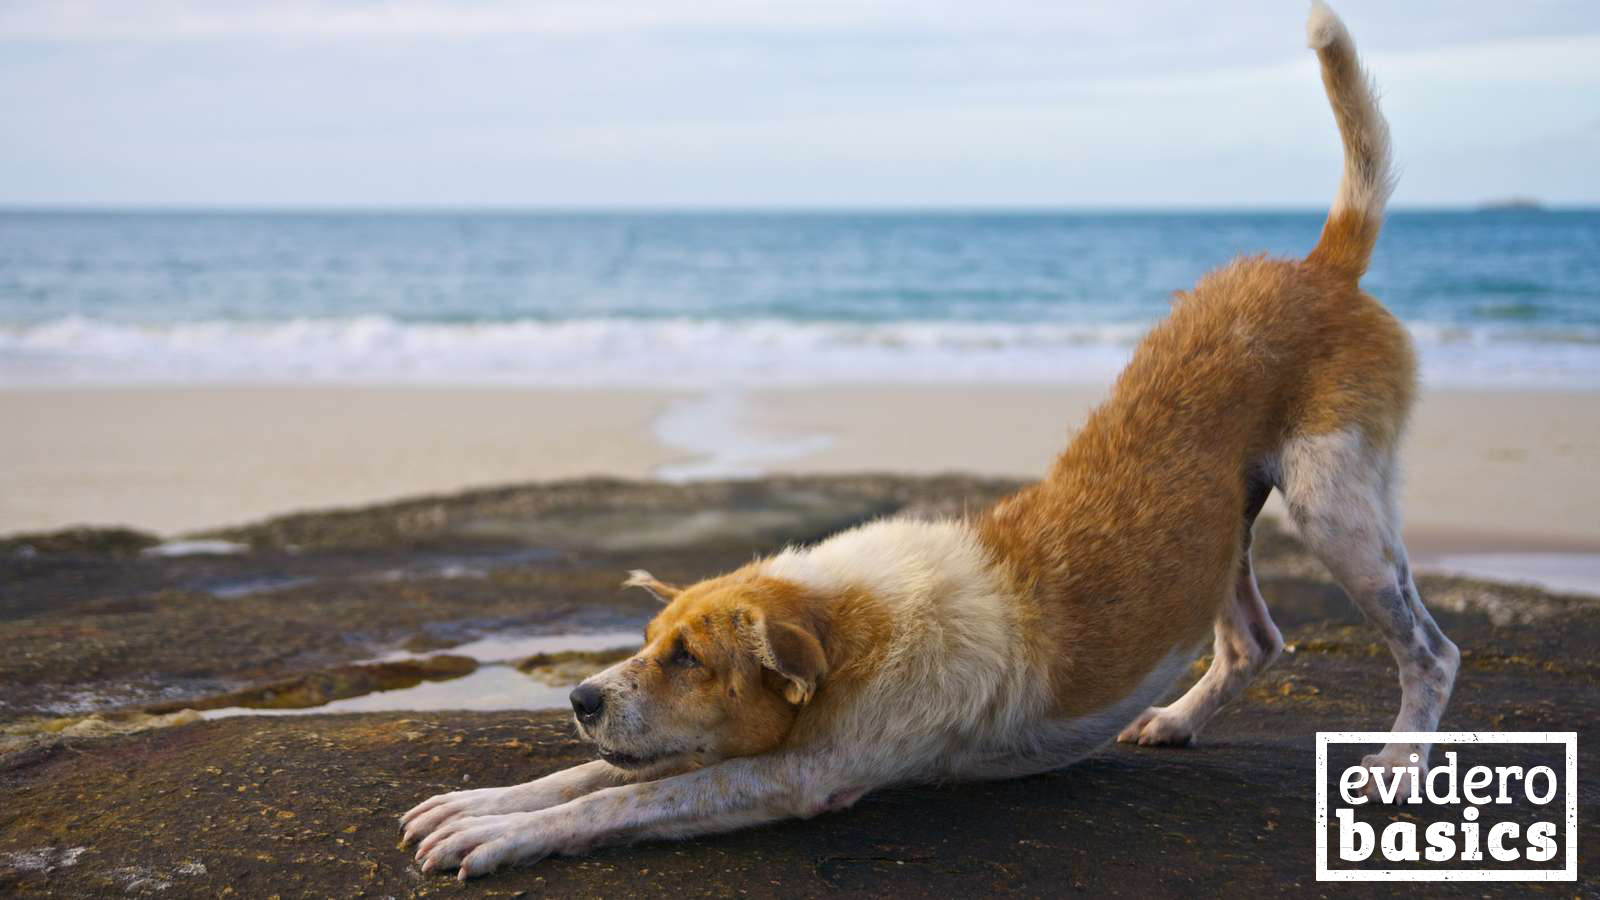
(102, 619)
(337, 683)
(130, 803)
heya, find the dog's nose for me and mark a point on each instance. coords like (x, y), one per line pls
(587, 702)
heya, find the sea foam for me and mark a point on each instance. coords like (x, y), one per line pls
(684, 353)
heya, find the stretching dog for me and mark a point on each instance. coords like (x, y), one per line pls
(1026, 638)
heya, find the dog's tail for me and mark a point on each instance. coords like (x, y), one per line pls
(1357, 212)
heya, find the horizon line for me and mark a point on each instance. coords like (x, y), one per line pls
(1514, 204)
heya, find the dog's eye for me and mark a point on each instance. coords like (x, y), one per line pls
(682, 657)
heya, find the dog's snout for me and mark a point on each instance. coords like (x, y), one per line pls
(587, 702)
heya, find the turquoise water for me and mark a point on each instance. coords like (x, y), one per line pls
(1504, 297)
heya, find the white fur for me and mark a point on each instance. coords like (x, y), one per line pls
(639, 578)
(551, 790)
(1340, 491)
(954, 637)
(1323, 26)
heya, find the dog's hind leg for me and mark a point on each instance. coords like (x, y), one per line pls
(1246, 641)
(1340, 491)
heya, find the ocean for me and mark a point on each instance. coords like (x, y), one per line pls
(1495, 298)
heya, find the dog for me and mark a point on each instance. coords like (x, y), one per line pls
(1027, 637)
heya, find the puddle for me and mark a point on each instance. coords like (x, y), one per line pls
(500, 672)
(495, 685)
(491, 688)
(505, 648)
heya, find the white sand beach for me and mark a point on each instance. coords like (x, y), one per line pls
(175, 459)
(1485, 470)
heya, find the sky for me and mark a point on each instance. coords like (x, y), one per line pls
(734, 103)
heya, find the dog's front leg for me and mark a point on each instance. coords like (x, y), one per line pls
(723, 797)
(551, 790)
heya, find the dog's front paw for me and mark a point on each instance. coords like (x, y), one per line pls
(478, 845)
(1158, 726)
(426, 817)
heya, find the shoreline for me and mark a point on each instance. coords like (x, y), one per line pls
(1488, 472)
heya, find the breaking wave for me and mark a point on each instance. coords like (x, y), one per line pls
(685, 353)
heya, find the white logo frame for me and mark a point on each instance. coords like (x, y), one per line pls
(1569, 739)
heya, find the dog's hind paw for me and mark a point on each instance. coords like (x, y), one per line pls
(1158, 726)
(1402, 774)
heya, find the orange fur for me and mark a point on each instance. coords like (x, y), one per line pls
(741, 629)
(1129, 546)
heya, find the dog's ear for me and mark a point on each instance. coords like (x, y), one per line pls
(641, 579)
(794, 652)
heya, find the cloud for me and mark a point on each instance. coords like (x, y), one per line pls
(202, 19)
(712, 102)
(1247, 20)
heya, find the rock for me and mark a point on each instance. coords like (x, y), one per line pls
(119, 795)
(104, 541)
(570, 666)
(93, 628)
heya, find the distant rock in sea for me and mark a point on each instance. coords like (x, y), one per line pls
(1511, 203)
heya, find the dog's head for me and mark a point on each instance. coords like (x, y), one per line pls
(725, 669)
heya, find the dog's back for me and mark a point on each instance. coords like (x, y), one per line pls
(1134, 535)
